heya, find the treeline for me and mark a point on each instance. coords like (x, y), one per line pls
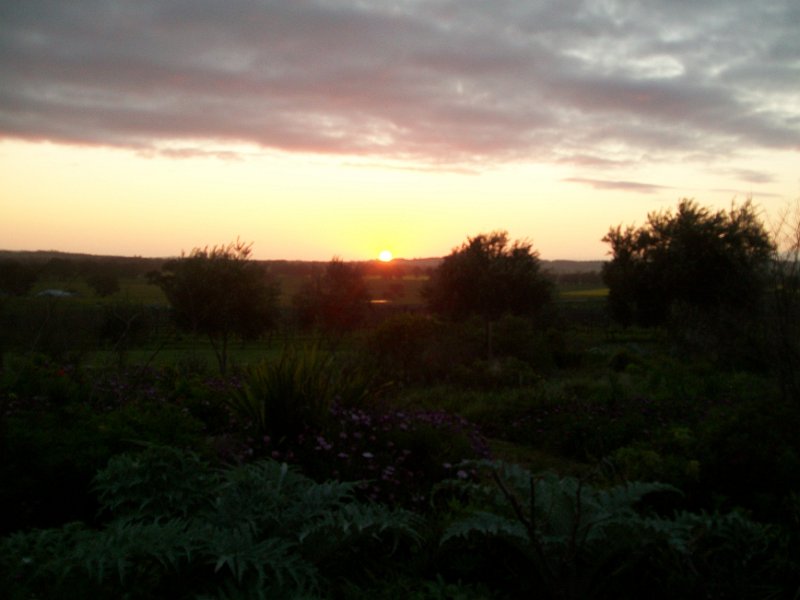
(20, 270)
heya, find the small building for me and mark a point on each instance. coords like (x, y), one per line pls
(54, 293)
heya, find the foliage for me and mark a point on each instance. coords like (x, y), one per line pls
(525, 339)
(279, 399)
(159, 483)
(61, 328)
(336, 300)
(413, 348)
(488, 277)
(221, 293)
(60, 424)
(748, 442)
(418, 349)
(783, 322)
(103, 282)
(124, 324)
(397, 455)
(17, 278)
(582, 541)
(710, 261)
(257, 531)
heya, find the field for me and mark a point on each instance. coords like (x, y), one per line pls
(580, 459)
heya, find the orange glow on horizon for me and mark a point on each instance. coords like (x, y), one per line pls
(302, 207)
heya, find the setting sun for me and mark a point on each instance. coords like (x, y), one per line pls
(385, 256)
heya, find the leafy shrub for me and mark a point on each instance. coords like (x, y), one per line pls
(419, 349)
(413, 349)
(58, 430)
(398, 455)
(261, 530)
(159, 483)
(528, 341)
(590, 418)
(580, 541)
(36, 379)
(125, 323)
(202, 397)
(404, 347)
(497, 373)
(751, 455)
(670, 457)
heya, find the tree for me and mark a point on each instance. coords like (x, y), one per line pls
(103, 282)
(487, 277)
(221, 293)
(696, 260)
(336, 300)
(783, 316)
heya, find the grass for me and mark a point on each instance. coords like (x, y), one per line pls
(583, 294)
(132, 289)
(627, 407)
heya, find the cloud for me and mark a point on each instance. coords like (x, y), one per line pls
(436, 82)
(752, 176)
(743, 193)
(625, 186)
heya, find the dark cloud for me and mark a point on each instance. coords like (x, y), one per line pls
(450, 82)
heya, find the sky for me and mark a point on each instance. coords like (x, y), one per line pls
(321, 128)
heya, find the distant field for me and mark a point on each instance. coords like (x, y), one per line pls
(132, 289)
(404, 291)
(594, 293)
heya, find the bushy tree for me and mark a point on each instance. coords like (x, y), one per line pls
(103, 282)
(221, 293)
(335, 300)
(695, 259)
(783, 323)
(488, 277)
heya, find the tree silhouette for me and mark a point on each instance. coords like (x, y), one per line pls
(335, 300)
(489, 277)
(103, 281)
(706, 261)
(221, 293)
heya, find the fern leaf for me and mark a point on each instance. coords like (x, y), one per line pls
(487, 524)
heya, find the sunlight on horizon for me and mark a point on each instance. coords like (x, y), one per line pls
(111, 201)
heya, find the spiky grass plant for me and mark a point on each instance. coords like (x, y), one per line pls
(282, 398)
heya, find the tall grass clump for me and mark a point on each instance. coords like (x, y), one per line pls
(279, 400)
